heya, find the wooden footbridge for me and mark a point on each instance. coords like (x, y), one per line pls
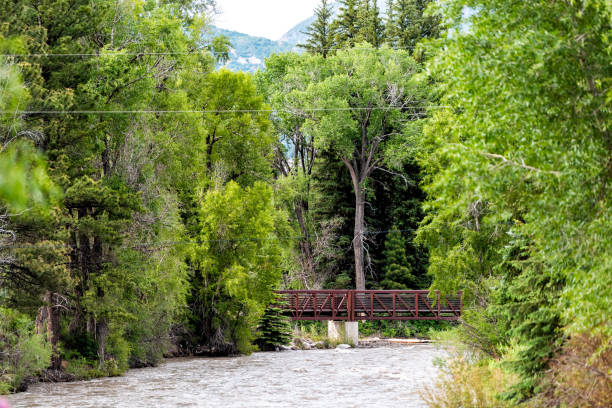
(355, 305)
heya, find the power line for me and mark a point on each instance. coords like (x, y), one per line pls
(101, 55)
(195, 242)
(220, 111)
(98, 55)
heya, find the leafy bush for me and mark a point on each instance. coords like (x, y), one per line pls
(391, 329)
(234, 278)
(468, 384)
(22, 353)
(119, 349)
(581, 375)
(79, 344)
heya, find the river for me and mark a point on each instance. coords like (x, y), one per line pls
(376, 377)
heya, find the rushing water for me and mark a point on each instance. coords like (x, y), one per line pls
(377, 377)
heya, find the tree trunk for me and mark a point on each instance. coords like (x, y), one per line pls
(47, 325)
(101, 335)
(358, 238)
(305, 245)
(359, 231)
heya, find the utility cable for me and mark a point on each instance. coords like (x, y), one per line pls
(194, 242)
(162, 53)
(220, 111)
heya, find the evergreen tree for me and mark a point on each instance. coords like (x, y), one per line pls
(406, 25)
(346, 25)
(321, 32)
(396, 270)
(274, 329)
(370, 25)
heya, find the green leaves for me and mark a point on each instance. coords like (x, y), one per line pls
(238, 260)
(518, 168)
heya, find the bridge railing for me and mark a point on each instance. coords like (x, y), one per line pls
(353, 305)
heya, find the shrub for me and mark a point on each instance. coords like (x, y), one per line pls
(22, 353)
(469, 384)
(274, 329)
(581, 375)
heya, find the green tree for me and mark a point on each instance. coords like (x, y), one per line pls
(274, 329)
(285, 78)
(321, 35)
(237, 144)
(370, 24)
(237, 265)
(396, 270)
(518, 171)
(118, 171)
(364, 95)
(407, 23)
(345, 26)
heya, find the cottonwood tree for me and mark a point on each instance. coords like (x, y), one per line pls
(519, 176)
(285, 78)
(361, 106)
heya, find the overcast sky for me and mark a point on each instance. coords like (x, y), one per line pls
(263, 18)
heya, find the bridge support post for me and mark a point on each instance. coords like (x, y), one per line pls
(345, 332)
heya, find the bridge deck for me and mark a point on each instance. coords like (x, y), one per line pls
(352, 305)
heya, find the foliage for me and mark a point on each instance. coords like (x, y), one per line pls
(517, 173)
(396, 270)
(320, 34)
(98, 249)
(402, 329)
(237, 265)
(465, 384)
(274, 329)
(345, 25)
(407, 23)
(22, 353)
(363, 96)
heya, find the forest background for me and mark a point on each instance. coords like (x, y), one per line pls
(151, 201)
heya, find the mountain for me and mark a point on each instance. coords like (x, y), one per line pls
(249, 52)
(296, 34)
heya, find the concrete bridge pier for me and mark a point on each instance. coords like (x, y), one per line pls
(345, 332)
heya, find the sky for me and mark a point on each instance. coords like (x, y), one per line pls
(263, 18)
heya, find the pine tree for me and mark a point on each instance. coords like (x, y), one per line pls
(321, 32)
(406, 25)
(370, 24)
(274, 329)
(397, 272)
(346, 25)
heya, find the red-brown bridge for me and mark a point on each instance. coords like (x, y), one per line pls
(354, 305)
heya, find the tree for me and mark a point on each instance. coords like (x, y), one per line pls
(345, 26)
(237, 265)
(518, 173)
(364, 96)
(285, 77)
(370, 24)
(407, 23)
(236, 144)
(274, 329)
(321, 35)
(396, 270)
(118, 171)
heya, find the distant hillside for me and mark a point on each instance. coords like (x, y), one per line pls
(249, 53)
(295, 35)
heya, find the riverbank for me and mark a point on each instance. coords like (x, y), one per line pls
(305, 343)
